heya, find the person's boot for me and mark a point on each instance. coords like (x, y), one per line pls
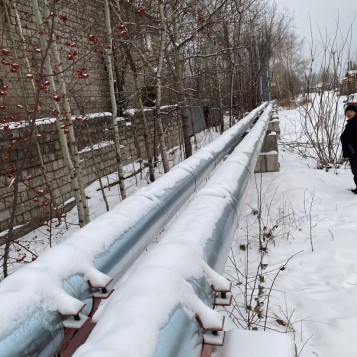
(354, 191)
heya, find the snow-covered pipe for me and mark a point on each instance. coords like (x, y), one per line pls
(157, 304)
(133, 224)
(182, 337)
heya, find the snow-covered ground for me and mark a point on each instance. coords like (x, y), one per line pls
(307, 261)
(315, 240)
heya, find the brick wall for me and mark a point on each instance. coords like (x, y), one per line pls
(78, 27)
(52, 176)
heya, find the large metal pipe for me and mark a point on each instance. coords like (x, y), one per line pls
(182, 336)
(200, 236)
(154, 205)
(161, 200)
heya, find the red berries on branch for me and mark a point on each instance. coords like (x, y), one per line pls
(14, 67)
(71, 44)
(123, 32)
(71, 55)
(140, 11)
(93, 39)
(4, 52)
(63, 18)
(81, 73)
(3, 91)
(56, 97)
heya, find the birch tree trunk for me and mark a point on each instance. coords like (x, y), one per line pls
(231, 92)
(181, 89)
(219, 91)
(82, 218)
(97, 169)
(158, 119)
(108, 63)
(145, 123)
(67, 109)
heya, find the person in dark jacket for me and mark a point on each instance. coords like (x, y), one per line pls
(349, 141)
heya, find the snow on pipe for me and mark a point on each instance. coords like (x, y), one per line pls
(167, 195)
(181, 337)
(87, 253)
(158, 304)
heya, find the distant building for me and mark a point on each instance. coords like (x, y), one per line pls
(320, 87)
(349, 82)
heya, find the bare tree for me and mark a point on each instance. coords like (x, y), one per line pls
(68, 144)
(321, 121)
(108, 62)
(288, 68)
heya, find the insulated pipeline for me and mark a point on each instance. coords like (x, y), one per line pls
(182, 337)
(41, 333)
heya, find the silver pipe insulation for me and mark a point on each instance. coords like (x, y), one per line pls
(41, 333)
(188, 175)
(182, 336)
(197, 241)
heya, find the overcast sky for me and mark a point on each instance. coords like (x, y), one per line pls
(323, 14)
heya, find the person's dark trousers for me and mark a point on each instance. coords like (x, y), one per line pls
(353, 163)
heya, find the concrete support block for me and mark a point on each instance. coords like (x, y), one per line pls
(267, 162)
(268, 158)
(274, 125)
(270, 142)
